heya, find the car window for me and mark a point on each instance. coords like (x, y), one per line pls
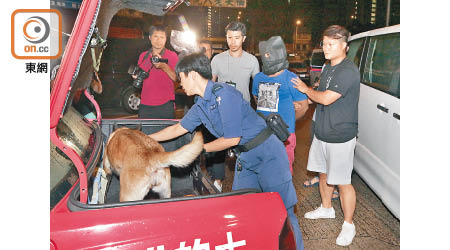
(355, 51)
(78, 133)
(317, 59)
(382, 68)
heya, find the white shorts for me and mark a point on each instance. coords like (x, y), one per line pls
(333, 159)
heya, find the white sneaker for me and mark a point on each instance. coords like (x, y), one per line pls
(321, 213)
(218, 186)
(347, 234)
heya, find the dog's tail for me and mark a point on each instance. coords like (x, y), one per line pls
(185, 155)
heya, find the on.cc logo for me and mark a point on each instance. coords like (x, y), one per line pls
(36, 29)
(36, 34)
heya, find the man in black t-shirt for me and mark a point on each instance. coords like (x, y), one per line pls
(336, 125)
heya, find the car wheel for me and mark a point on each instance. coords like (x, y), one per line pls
(131, 99)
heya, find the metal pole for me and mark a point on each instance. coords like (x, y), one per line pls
(295, 43)
(388, 12)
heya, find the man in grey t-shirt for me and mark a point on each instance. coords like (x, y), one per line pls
(235, 66)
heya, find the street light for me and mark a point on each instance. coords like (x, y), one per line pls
(298, 22)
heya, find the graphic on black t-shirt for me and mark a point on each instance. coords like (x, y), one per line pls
(329, 76)
(268, 96)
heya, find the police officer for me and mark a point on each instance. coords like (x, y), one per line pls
(224, 112)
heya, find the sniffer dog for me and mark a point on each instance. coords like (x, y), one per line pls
(142, 163)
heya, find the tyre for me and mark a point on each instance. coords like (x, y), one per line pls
(131, 98)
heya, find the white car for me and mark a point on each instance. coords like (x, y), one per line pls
(377, 153)
(316, 63)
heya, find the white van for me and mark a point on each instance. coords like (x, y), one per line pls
(377, 153)
(316, 63)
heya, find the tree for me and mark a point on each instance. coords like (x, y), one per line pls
(277, 17)
(269, 18)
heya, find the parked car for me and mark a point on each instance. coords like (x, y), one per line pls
(217, 50)
(316, 60)
(118, 90)
(84, 209)
(300, 69)
(377, 153)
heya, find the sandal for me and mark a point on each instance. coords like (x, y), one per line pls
(335, 195)
(312, 182)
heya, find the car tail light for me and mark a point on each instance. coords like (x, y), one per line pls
(287, 238)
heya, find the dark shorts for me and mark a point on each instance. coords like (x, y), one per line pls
(164, 111)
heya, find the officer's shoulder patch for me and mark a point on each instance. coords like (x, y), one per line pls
(216, 87)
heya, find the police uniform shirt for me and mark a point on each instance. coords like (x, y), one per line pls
(224, 113)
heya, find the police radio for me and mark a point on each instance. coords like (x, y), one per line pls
(277, 125)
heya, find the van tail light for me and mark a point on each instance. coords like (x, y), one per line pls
(287, 238)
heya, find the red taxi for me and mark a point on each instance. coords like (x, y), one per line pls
(85, 210)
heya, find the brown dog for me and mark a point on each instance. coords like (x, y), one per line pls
(142, 163)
